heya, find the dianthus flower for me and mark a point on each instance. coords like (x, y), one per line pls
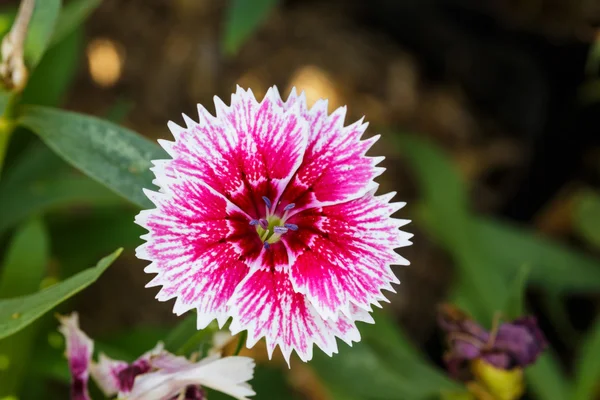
(267, 214)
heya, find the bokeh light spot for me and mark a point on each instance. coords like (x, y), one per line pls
(105, 61)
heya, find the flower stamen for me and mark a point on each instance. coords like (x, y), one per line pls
(287, 209)
(268, 205)
(272, 227)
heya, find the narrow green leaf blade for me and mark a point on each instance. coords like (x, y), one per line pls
(17, 313)
(114, 156)
(22, 273)
(180, 334)
(546, 379)
(514, 306)
(553, 265)
(40, 30)
(587, 371)
(242, 19)
(72, 15)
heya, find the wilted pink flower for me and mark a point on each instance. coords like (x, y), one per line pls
(79, 349)
(266, 213)
(228, 375)
(115, 376)
(156, 375)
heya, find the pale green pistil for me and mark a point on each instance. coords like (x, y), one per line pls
(269, 235)
(271, 227)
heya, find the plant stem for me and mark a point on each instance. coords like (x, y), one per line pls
(196, 339)
(240, 344)
(7, 125)
(5, 133)
(13, 68)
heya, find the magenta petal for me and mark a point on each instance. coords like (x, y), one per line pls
(198, 242)
(335, 168)
(79, 348)
(344, 252)
(248, 151)
(267, 306)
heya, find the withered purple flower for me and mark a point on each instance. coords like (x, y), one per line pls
(510, 345)
(522, 340)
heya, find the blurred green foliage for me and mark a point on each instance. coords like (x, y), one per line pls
(242, 19)
(78, 160)
(22, 272)
(41, 27)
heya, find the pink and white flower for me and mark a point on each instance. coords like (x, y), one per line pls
(156, 375)
(267, 214)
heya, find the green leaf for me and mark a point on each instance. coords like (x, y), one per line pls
(587, 217)
(447, 216)
(361, 373)
(22, 273)
(113, 155)
(514, 306)
(384, 365)
(554, 266)
(37, 197)
(389, 342)
(480, 244)
(546, 379)
(40, 30)
(26, 261)
(49, 82)
(587, 371)
(181, 333)
(17, 313)
(72, 15)
(593, 59)
(242, 19)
